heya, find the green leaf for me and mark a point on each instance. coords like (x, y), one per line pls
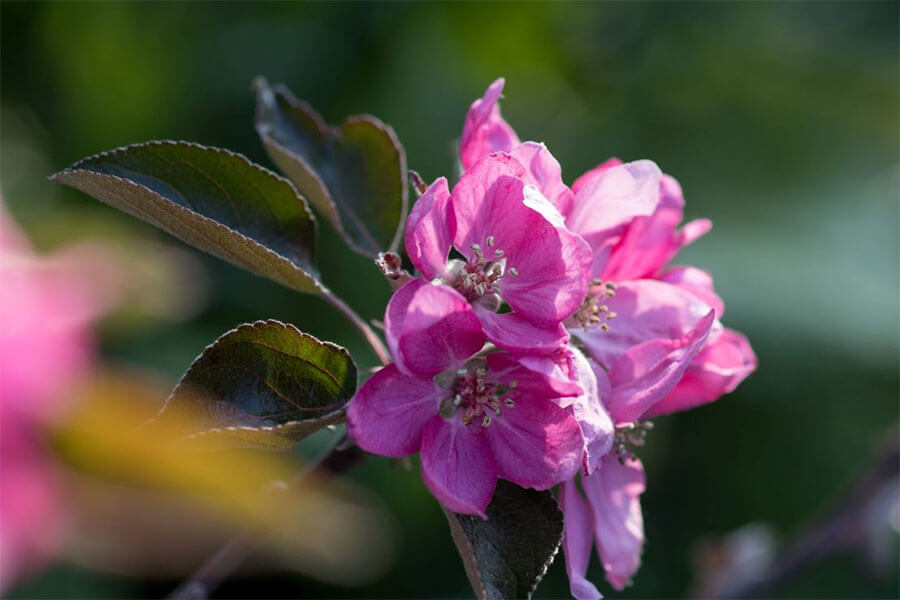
(211, 198)
(507, 555)
(355, 174)
(264, 384)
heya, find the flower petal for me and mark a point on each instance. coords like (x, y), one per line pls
(513, 333)
(648, 243)
(594, 421)
(646, 310)
(544, 377)
(430, 229)
(536, 443)
(578, 537)
(389, 411)
(649, 371)
(698, 282)
(485, 131)
(613, 493)
(545, 173)
(547, 266)
(430, 328)
(594, 173)
(457, 466)
(722, 364)
(613, 198)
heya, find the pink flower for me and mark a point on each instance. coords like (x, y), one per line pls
(653, 336)
(45, 347)
(629, 215)
(473, 418)
(515, 248)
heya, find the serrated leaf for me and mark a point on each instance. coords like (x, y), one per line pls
(211, 198)
(507, 555)
(264, 384)
(355, 174)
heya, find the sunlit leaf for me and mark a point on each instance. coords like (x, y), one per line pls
(507, 555)
(264, 384)
(355, 174)
(211, 198)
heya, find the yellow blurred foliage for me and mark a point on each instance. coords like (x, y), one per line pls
(146, 500)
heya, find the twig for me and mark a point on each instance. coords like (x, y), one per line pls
(367, 332)
(845, 526)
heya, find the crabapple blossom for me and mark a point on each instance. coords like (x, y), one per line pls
(665, 350)
(473, 416)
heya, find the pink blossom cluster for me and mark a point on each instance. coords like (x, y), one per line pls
(544, 328)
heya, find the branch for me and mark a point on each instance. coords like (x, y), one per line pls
(846, 525)
(367, 332)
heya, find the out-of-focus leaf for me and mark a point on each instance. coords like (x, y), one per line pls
(355, 174)
(264, 384)
(170, 501)
(211, 198)
(507, 555)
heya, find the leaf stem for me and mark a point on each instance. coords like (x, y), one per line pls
(367, 332)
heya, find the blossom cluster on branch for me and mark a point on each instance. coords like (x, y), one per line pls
(544, 326)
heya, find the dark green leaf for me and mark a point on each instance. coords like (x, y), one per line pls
(506, 555)
(355, 174)
(264, 384)
(211, 198)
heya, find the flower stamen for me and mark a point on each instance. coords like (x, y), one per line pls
(627, 437)
(477, 398)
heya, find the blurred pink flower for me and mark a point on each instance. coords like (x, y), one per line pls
(472, 418)
(47, 307)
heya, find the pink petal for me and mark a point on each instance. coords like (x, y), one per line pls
(613, 198)
(430, 229)
(698, 282)
(648, 243)
(646, 310)
(649, 371)
(717, 369)
(545, 173)
(430, 328)
(457, 466)
(485, 131)
(390, 410)
(693, 230)
(552, 263)
(513, 333)
(31, 500)
(577, 541)
(536, 443)
(613, 493)
(569, 365)
(536, 376)
(594, 421)
(594, 173)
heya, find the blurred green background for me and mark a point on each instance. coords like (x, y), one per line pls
(780, 120)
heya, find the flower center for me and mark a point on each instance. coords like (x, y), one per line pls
(629, 437)
(591, 310)
(481, 275)
(477, 399)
